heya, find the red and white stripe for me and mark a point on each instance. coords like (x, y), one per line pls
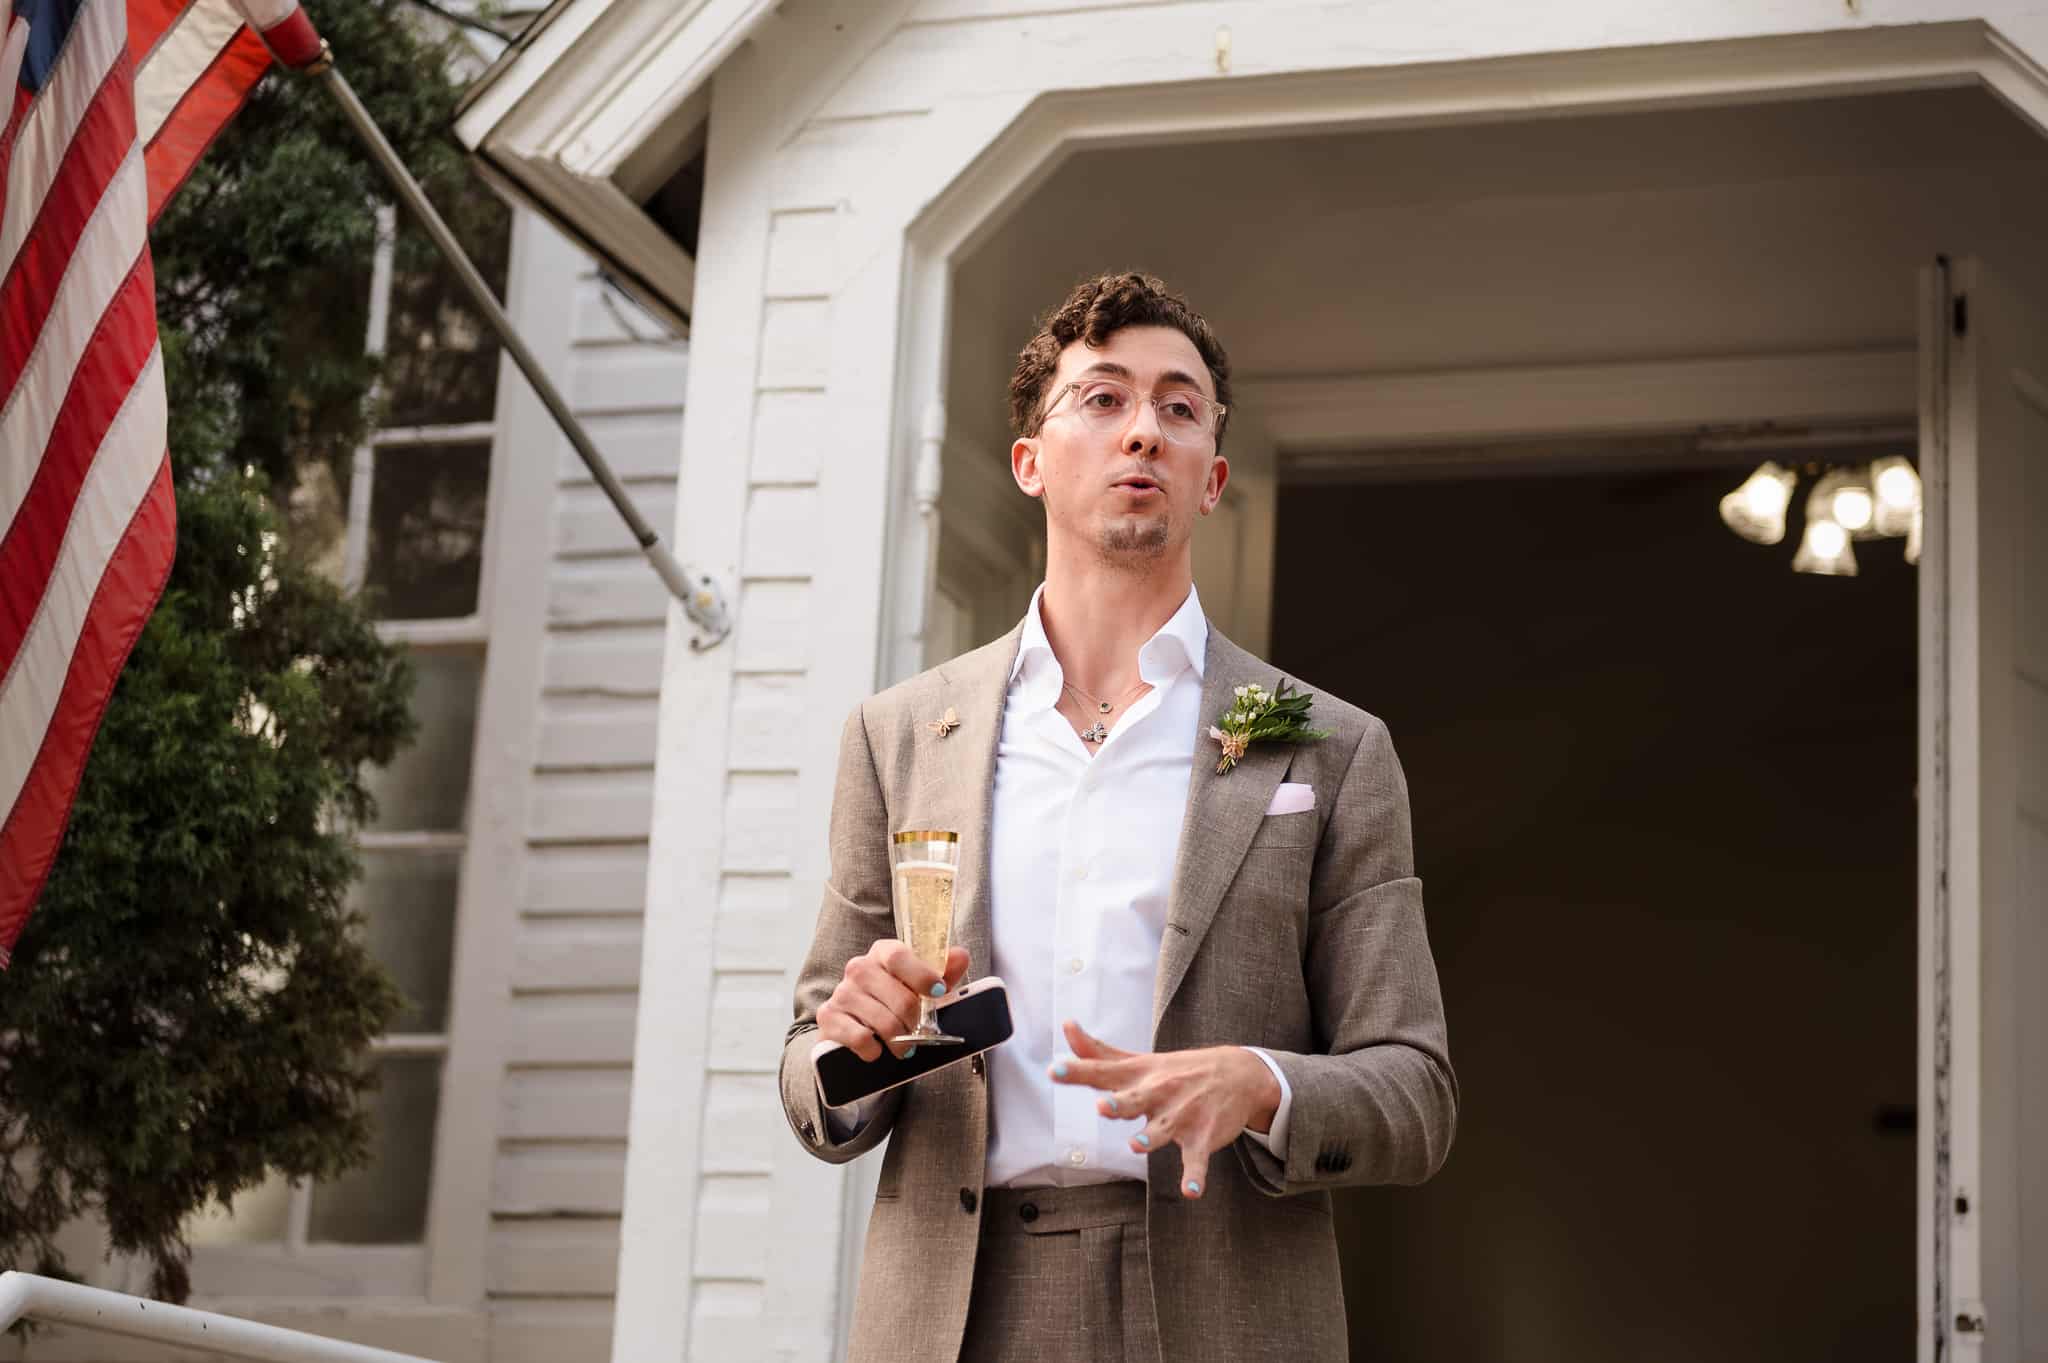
(195, 63)
(85, 487)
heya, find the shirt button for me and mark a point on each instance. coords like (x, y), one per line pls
(1077, 1156)
(1075, 966)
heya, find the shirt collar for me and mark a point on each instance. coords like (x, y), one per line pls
(1182, 641)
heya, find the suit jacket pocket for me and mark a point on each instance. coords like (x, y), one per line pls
(1298, 829)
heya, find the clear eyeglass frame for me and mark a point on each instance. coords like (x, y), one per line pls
(1185, 416)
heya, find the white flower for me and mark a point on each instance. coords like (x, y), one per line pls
(1241, 692)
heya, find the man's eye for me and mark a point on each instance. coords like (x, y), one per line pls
(1105, 399)
(1179, 408)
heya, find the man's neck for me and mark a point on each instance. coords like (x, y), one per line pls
(1097, 617)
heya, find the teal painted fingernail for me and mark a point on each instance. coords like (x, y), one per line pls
(939, 990)
(1194, 1188)
(912, 1051)
(1059, 1071)
(1110, 1103)
(1144, 1140)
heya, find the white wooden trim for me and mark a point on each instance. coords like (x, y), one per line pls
(1352, 412)
(519, 516)
(455, 433)
(1933, 1293)
(501, 89)
(469, 631)
(672, 1031)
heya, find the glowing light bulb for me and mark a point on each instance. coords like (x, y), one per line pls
(1827, 538)
(1898, 486)
(1756, 510)
(1765, 497)
(1853, 508)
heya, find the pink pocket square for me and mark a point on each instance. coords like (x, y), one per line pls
(1292, 798)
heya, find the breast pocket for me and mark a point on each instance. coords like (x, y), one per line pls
(1285, 830)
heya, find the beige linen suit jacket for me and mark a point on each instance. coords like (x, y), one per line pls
(1301, 933)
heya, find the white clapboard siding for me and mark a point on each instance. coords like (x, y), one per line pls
(607, 591)
(617, 661)
(566, 878)
(551, 1331)
(537, 1105)
(551, 1257)
(586, 1180)
(638, 446)
(590, 805)
(587, 525)
(570, 1029)
(596, 731)
(577, 955)
(558, 1176)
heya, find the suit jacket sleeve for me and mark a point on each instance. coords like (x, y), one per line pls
(856, 913)
(1378, 1103)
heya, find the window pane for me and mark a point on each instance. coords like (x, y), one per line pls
(260, 1216)
(442, 356)
(385, 1202)
(408, 898)
(426, 787)
(427, 530)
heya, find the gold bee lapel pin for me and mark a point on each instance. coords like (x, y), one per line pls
(946, 723)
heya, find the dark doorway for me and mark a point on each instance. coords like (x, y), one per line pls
(1664, 816)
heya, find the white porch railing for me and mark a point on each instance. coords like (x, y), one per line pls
(27, 1296)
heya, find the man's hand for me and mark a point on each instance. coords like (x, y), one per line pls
(1199, 1100)
(878, 997)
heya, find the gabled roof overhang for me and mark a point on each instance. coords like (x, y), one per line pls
(596, 107)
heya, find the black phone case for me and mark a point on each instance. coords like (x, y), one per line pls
(980, 1020)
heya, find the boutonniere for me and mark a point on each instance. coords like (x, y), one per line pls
(946, 723)
(1257, 715)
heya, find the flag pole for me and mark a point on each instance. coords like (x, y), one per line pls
(698, 593)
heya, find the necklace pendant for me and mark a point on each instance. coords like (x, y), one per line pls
(1094, 734)
(1103, 706)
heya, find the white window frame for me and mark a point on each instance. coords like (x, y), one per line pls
(296, 1266)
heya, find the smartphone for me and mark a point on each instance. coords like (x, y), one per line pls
(978, 1013)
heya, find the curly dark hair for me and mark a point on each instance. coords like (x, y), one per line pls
(1094, 310)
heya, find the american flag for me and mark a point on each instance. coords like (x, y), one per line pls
(112, 102)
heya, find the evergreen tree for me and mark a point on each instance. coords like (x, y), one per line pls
(190, 1005)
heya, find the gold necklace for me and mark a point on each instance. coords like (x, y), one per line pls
(1096, 732)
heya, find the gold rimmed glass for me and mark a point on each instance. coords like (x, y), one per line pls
(922, 862)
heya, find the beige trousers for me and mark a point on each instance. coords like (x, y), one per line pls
(1062, 1275)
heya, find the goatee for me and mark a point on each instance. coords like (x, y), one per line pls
(1146, 539)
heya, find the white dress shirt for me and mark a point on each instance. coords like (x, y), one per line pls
(1081, 859)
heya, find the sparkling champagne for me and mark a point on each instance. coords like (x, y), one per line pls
(921, 883)
(924, 892)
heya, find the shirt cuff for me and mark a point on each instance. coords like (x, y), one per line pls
(1275, 1140)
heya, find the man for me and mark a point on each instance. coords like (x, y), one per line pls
(1224, 998)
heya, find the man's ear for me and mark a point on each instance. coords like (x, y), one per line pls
(1219, 478)
(1024, 467)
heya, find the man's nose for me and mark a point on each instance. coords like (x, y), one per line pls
(1143, 435)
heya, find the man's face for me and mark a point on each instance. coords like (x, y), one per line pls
(1126, 489)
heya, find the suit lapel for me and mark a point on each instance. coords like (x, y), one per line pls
(1223, 814)
(975, 686)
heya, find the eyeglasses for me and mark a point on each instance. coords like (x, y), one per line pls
(1185, 418)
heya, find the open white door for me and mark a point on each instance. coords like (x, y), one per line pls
(1983, 821)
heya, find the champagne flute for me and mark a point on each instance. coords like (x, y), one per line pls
(922, 863)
